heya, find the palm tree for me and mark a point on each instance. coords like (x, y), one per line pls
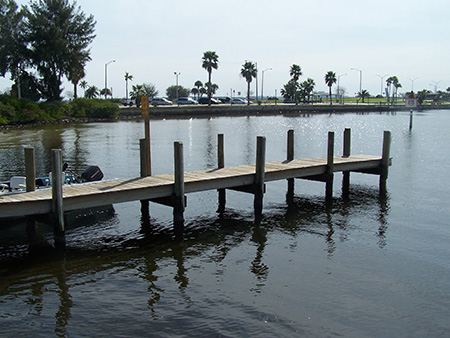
(248, 72)
(136, 93)
(363, 94)
(91, 92)
(210, 61)
(199, 85)
(84, 84)
(330, 79)
(295, 72)
(127, 77)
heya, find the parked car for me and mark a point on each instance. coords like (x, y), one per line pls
(238, 101)
(186, 100)
(160, 101)
(223, 99)
(204, 100)
(128, 102)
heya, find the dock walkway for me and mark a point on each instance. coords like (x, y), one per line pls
(162, 186)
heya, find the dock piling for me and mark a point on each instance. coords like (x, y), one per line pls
(57, 199)
(220, 165)
(30, 169)
(330, 167)
(290, 157)
(385, 161)
(178, 190)
(259, 175)
(346, 154)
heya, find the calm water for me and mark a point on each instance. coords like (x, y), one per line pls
(368, 267)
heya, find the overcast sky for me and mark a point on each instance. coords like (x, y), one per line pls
(153, 39)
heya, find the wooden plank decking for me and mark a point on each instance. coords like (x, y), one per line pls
(153, 187)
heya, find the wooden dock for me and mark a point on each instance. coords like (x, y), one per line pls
(154, 187)
(171, 189)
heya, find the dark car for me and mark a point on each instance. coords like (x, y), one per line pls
(204, 100)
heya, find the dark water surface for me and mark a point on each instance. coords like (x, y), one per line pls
(370, 266)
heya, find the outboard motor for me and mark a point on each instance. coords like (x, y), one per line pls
(92, 173)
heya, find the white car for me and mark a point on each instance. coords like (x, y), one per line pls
(160, 101)
(186, 100)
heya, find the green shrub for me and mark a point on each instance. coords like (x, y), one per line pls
(7, 113)
(94, 108)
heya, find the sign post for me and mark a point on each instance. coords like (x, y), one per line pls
(411, 102)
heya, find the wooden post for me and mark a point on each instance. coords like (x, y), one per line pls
(57, 199)
(385, 161)
(259, 175)
(330, 165)
(145, 112)
(30, 171)
(410, 119)
(346, 153)
(290, 157)
(221, 164)
(179, 203)
(144, 172)
(290, 145)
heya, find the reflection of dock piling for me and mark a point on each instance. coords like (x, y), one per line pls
(170, 189)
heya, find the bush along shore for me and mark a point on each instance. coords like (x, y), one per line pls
(14, 112)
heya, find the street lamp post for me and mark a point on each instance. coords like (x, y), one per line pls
(262, 83)
(360, 78)
(381, 82)
(106, 77)
(339, 76)
(176, 75)
(412, 83)
(435, 85)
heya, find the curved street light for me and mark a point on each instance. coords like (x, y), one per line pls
(262, 83)
(381, 80)
(412, 83)
(360, 78)
(106, 77)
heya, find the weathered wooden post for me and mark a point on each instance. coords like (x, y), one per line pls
(221, 164)
(385, 161)
(144, 107)
(411, 119)
(259, 176)
(144, 170)
(30, 171)
(330, 169)
(346, 153)
(290, 157)
(178, 191)
(57, 199)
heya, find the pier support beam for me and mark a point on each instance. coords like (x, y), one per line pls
(330, 169)
(30, 168)
(290, 157)
(385, 161)
(145, 170)
(346, 153)
(259, 177)
(179, 198)
(221, 164)
(57, 199)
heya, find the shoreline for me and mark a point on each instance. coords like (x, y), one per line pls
(181, 112)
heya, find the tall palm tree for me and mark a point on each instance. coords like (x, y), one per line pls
(210, 61)
(248, 72)
(84, 85)
(295, 73)
(330, 79)
(127, 77)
